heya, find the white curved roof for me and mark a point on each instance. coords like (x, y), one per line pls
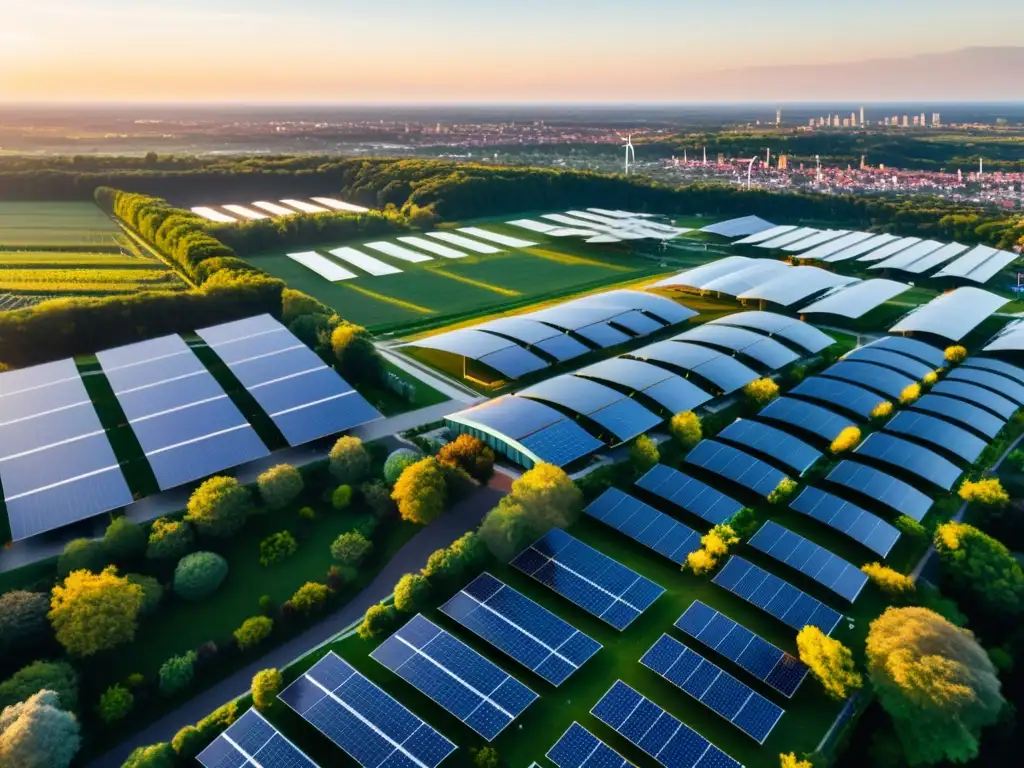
(797, 283)
(1010, 339)
(825, 236)
(789, 237)
(952, 315)
(829, 247)
(761, 271)
(766, 234)
(698, 276)
(857, 299)
(745, 225)
(865, 246)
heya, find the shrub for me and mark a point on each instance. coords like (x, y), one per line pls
(82, 554)
(219, 507)
(307, 513)
(1016, 459)
(846, 440)
(908, 526)
(881, 411)
(790, 761)
(37, 733)
(115, 704)
(57, 676)
(486, 757)
(930, 378)
(349, 460)
(93, 612)
(396, 463)
(718, 540)
(955, 354)
(987, 492)
(357, 357)
(276, 547)
(124, 540)
(199, 575)
(378, 620)
(341, 498)
(279, 486)
(377, 498)
(469, 454)
(451, 565)
(981, 569)
(310, 598)
(193, 739)
(134, 680)
(686, 429)
(23, 622)
(266, 684)
(761, 391)
(176, 673)
(700, 561)
(910, 394)
(169, 539)
(890, 581)
(829, 661)
(411, 593)
(744, 522)
(266, 604)
(153, 756)
(643, 454)
(253, 631)
(421, 491)
(350, 549)
(152, 592)
(783, 491)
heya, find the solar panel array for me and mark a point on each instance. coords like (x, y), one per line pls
(996, 382)
(735, 465)
(304, 397)
(861, 526)
(454, 676)
(696, 497)
(522, 629)
(926, 353)
(716, 689)
(748, 651)
(252, 741)
(776, 597)
(882, 380)
(975, 395)
(646, 725)
(579, 748)
(56, 464)
(806, 416)
(364, 721)
(593, 581)
(910, 457)
(881, 487)
(645, 524)
(939, 433)
(894, 360)
(789, 329)
(186, 424)
(843, 395)
(964, 414)
(813, 561)
(766, 351)
(997, 366)
(797, 455)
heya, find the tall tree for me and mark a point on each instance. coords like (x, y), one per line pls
(981, 567)
(829, 661)
(37, 733)
(93, 612)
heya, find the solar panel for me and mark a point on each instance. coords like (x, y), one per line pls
(579, 748)
(735, 465)
(562, 347)
(690, 494)
(863, 527)
(776, 597)
(304, 397)
(892, 360)
(673, 392)
(841, 394)
(593, 581)
(522, 629)
(562, 443)
(185, 423)
(909, 457)
(626, 419)
(995, 382)
(789, 329)
(926, 353)
(939, 433)
(996, 366)
(513, 362)
(975, 395)
(713, 687)
(454, 676)
(764, 350)
(861, 248)
(464, 242)
(644, 524)
(603, 335)
(882, 488)
(873, 377)
(962, 413)
(724, 372)
(252, 741)
(797, 455)
(952, 315)
(748, 651)
(857, 299)
(806, 416)
(637, 323)
(577, 394)
(644, 724)
(813, 561)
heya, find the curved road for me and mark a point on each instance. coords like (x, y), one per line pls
(464, 516)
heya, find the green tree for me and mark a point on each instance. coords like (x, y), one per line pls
(253, 631)
(219, 507)
(829, 661)
(643, 454)
(193, 739)
(452, 565)
(377, 620)
(350, 549)
(908, 526)
(199, 575)
(349, 460)
(397, 461)
(411, 593)
(152, 592)
(421, 491)
(23, 622)
(279, 486)
(310, 598)
(37, 733)
(124, 540)
(486, 757)
(57, 676)
(266, 684)
(341, 497)
(686, 429)
(176, 673)
(981, 567)
(469, 454)
(935, 681)
(115, 704)
(82, 554)
(357, 357)
(783, 491)
(276, 547)
(92, 612)
(169, 540)
(154, 756)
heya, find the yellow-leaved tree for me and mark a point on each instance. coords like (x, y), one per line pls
(761, 391)
(714, 544)
(955, 354)
(93, 612)
(791, 761)
(910, 394)
(890, 581)
(846, 440)
(686, 429)
(930, 378)
(783, 491)
(988, 492)
(420, 491)
(882, 411)
(829, 661)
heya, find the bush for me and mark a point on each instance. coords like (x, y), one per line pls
(744, 522)
(93, 612)
(829, 661)
(486, 757)
(397, 461)
(176, 673)
(341, 498)
(783, 491)
(219, 507)
(82, 554)
(378, 620)
(169, 539)
(930, 378)
(761, 391)
(266, 684)
(846, 440)
(412, 593)
(310, 598)
(279, 486)
(57, 676)
(686, 429)
(154, 756)
(350, 549)
(357, 358)
(349, 460)
(276, 547)
(890, 581)
(470, 455)
(910, 394)
(377, 498)
(987, 492)
(643, 454)
(452, 565)
(23, 622)
(955, 354)
(152, 592)
(253, 631)
(908, 526)
(37, 733)
(1016, 459)
(199, 575)
(700, 561)
(266, 604)
(115, 704)
(307, 513)
(193, 739)
(882, 411)
(124, 540)
(790, 761)
(421, 492)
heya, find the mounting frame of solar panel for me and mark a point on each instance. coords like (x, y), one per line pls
(907, 456)
(695, 496)
(274, 751)
(880, 487)
(644, 524)
(863, 527)
(579, 748)
(735, 465)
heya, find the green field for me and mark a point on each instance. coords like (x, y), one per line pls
(32, 225)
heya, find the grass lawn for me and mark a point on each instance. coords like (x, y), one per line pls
(32, 225)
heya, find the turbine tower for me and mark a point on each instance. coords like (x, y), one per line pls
(628, 146)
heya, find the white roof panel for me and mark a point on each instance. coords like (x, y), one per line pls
(274, 208)
(789, 237)
(935, 258)
(698, 276)
(212, 214)
(742, 226)
(339, 205)
(742, 280)
(970, 261)
(766, 234)
(245, 213)
(991, 267)
(365, 262)
(907, 256)
(858, 299)
(464, 242)
(327, 269)
(836, 245)
(952, 315)
(431, 247)
(870, 244)
(495, 237)
(797, 283)
(1010, 339)
(534, 226)
(302, 205)
(397, 251)
(887, 250)
(816, 240)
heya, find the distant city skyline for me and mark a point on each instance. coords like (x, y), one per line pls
(462, 51)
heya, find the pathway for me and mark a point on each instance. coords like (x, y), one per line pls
(463, 517)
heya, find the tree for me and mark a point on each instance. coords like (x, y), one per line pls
(411, 593)
(643, 454)
(310, 598)
(341, 497)
(908, 526)
(783, 491)
(829, 661)
(349, 460)
(82, 554)
(987, 492)
(377, 620)
(279, 486)
(761, 391)
(377, 498)
(686, 429)
(882, 411)
(421, 492)
(930, 379)
(718, 540)
(176, 673)
(115, 704)
(955, 354)
(350, 549)
(357, 357)
(470, 455)
(253, 631)
(23, 622)
(450, 566)
(154, 756)
(169, 539)
(935, 681)
(37, 733)
(92, 612)
(57, 676)
(890, 581)
(397, 461)
(152, 592)
(199, 575)
(981, 567)
(791, 761)
(276, 547)
(846, 440)
(910, 394)
(124, 540)
(266, 684)
(700, 561)
(193, 739)
(219, 507)
(486, 757)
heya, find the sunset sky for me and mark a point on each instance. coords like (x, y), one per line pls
(460, 50)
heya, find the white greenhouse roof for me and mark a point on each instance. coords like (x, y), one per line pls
(856, 300)
(796, 284)
(835, 245)
(907, 256)
(745, 225)
(865, 246)
(767, 234)
(698, 276)
(952, 315)
(887, 250)
(789, 237)
(815, 240)
(1010, 339)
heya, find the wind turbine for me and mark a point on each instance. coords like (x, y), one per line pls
(628, 146)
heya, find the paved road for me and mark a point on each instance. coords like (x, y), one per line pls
(413, 556)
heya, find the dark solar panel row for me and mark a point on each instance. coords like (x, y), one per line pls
(797, 455)
(995, 382)
(997, 366)
(975, 395)
(861, 526)
(900, 363)
(252, 741)
(579, 748)
(883, 488)
(806, 416)
(644, 524)
(939, 433)
(735, 465)
(909, 457)
(964, 414)
(926, 353)
(881, 380)
(843, 395)
(687, 493)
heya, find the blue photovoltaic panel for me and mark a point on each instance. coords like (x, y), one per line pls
(562, 347)
(643, 723)
(511, 416)
(454, 676)
(776, 597)
(806, 416)
(626, 419)
(603, 335)
(252, 741)
(998, 366)
(519, 627)
(995, 382)
(371, 727)
(748, 651)
(520, 329)
(688, 493)
(562, 443)
(766, 351)
(861, 526)
(716, 689)
(645, 524)
(677, 395)
(881, 380)
(735, 465)
(304, 398)
(964, 414)
(637, 323)
(579, 748)
(926, 353)
(593, 581)
(939, 433)
(881, 487)
(909, 457)
(575, 393)
(726, 373)
(788, 328)
(513, 362)
(975, 395)
(887, 359)
(669, 390)
(840, 394)
(813, 561)
(794, 453)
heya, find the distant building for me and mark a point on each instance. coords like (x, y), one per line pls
(811, 122)
(721, 158)
(922, 120)
(863, 162)
(778, 116)
(846, 122)
(783, 162)
(936, 120)
(906, 121)
(853, 119)
(917, 121)
(862, 115)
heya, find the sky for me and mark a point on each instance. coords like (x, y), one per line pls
(464, 51)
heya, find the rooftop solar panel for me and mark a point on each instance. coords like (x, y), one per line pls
(926, 353)
(908, 256)
(1001, 385)
(735, 465)
(626, 419)
(881, 380)
(748, 651)
(520, 329)
(888, 249)
(835, 245)
(863, 527)
(561, 443)
(747, 278)
(637, 323)
(853, 251)
(952, 315)
(910, 457)
(593, 581)
(454, 676)
(634, 374)
(724, 372)
(939, 433)
(252, 741)
(789, 237)
(794, 453)
(883, 488)
(713, 687)
(776, 597)
(677, 395)
(764, 350)
(963, 414)
(992, 266)
(579, 748)
(826, 236)
(975, 395)
(738, 227)
(935, 258)
(694, 278)
(644, 524)
(562, 347)
(578, 394)
(797, 284)
(813, 561)
(967, 263)
(513, 362)
(603, 335)
(520, 628)
(840, 394)
(895, 361)
(689, 494)
(511, 416)
(643, 723)
(857, 299)
(808, 417)
(369, 725)
(788, 329)
(766, 234)
(468, 342)
(996, 366)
